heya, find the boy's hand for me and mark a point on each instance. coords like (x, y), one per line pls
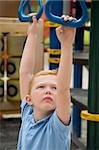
(66, 34)
(33, 27)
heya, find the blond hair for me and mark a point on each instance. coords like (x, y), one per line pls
(41, 73)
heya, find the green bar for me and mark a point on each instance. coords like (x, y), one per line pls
(93, 91)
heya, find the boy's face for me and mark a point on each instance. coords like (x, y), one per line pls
(43, 93)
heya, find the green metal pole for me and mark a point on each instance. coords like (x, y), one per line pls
(93, 91)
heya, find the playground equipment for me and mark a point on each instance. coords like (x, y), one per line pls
(93, 90)
(78, 69)
(59, 20)
(48, 11)
(26, 4)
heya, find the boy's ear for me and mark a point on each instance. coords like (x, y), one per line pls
(28, 100)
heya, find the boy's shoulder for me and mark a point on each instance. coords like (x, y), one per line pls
(25, 108)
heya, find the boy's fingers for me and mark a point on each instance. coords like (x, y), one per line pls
(59, 29)
(33, 15)
(68, 18)
(62, 16)
(34, 19)
(71, 18)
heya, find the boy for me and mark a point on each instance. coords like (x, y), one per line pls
(46, 96)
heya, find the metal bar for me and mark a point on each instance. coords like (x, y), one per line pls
(93, 91)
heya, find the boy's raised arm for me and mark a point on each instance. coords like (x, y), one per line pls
(66, 37)
(28, 58)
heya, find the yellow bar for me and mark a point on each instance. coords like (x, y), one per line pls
(54, 51)
(50, 24)
(89, 116)
(54, 60)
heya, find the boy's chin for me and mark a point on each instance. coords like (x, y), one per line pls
(50, 109)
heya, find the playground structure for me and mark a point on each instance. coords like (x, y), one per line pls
(93, 96)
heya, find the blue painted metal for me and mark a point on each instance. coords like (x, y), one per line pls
(78, 74)
(77, 123)
(54, 43)
(56, 19)
(26, 4)
(76, 110)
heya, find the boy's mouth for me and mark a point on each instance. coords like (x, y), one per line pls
(48, 99)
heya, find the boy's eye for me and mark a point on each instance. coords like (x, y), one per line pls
(41, 87)
(54, 87)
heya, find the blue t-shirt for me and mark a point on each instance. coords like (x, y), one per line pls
(46, 134)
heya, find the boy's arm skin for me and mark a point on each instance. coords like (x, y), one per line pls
(66, 37)
(28, 58)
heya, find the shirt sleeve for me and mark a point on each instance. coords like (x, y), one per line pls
(25, 108)
(61, 129)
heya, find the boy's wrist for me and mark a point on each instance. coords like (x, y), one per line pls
(32, 35)
(32, 32)
(66, 46)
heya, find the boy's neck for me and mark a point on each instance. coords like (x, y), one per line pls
(38, 115)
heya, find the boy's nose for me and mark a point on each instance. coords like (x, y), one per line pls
(48, 92)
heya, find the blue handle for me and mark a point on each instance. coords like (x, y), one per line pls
(59, 20)
(22, 7)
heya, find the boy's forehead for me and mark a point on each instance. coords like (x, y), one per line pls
(45, 79)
